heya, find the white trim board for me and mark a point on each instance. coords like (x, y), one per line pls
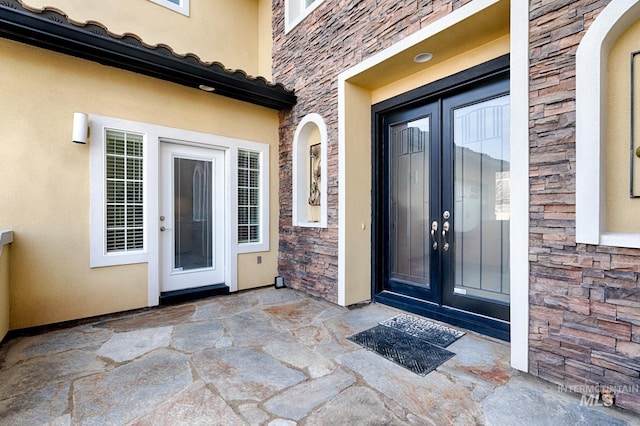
(519, 128)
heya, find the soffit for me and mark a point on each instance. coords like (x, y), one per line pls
(51, 29)
(479, 29)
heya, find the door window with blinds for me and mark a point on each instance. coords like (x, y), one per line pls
(124, 183)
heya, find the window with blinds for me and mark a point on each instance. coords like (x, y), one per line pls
(248, 196)
(124, 174)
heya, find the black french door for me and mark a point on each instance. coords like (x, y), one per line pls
(441, 225)
(412, 193)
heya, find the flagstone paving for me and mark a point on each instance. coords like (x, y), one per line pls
(265, 357)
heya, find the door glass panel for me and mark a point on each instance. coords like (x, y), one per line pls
(192, 214)
(409, 194)
(481, 186)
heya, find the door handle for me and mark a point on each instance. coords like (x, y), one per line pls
(445, 229)
(434, 228)
(162, 229)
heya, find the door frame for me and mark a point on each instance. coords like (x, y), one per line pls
(494, 70)
(354, 141)
(220, 227)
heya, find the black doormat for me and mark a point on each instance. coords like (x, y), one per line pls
(424, 329)
(411, 352)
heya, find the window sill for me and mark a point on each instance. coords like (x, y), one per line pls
(106, 260)
(319, 224)
(252, 248)
(620, 239)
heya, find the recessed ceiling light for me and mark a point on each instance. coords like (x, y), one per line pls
(423, 57)
(206, 88)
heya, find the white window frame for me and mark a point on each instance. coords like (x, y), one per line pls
(98, 241)
(263, 241)
(260, 199)
(126, 180)
(182, 7)
(295, 11)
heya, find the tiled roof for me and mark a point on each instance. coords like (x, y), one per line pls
(50, 28)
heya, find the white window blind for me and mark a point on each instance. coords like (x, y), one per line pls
(124, 173)
(248, 196)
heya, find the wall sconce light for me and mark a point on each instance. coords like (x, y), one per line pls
(80, 127)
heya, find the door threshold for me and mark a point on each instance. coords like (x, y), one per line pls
(478, 323)
(187, 294)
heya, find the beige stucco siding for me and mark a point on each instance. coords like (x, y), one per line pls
(45, 178)
(222, 31)
(265, 37)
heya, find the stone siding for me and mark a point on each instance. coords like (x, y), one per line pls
(336, 36)
(585, 308)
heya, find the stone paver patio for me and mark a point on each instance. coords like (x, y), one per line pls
(266, 356)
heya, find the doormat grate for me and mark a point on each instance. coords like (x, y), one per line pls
(424, 329)
(411, 352)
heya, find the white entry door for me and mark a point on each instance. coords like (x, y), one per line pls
(192, 231)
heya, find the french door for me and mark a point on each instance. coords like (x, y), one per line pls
(192, 217)
(442, 229)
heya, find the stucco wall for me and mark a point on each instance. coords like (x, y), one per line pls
(229, 32)
(265, 39)
(44, 177)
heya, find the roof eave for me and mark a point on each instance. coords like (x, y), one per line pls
(52, 30)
